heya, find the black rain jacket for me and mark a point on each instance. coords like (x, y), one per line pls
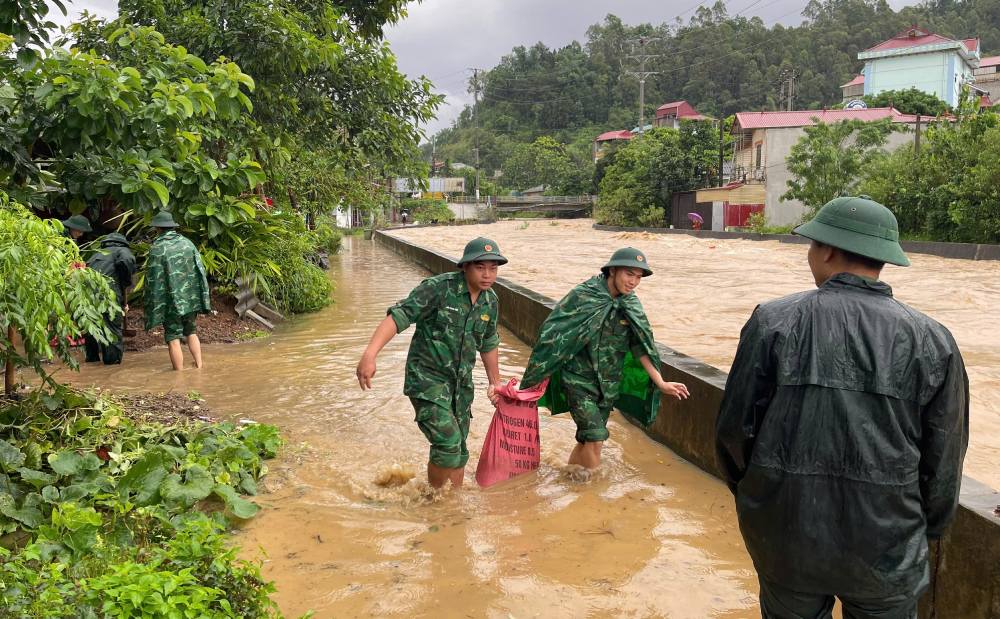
(115, 261)
(842, 434)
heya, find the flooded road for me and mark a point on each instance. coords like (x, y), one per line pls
(704, 290)
(650, 536)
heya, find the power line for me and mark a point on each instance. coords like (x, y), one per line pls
(641, 73)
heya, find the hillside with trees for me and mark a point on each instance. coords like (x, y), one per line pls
(720, 60)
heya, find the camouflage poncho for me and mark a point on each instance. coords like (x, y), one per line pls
(575, 332)
(176, 282)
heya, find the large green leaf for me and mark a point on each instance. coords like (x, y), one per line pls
(10, 457)
(27, 514)
(37, 479)
(144, 477)
(66, 462)
(195, 485)
(240, 507)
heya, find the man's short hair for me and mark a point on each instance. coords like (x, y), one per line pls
(865, 261)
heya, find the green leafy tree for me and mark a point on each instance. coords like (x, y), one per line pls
(948, 191)
(545, 162)
(909, 101)
(47, 295)
(637, 186)
(828, 160)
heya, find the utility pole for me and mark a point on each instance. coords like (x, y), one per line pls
(916, 138)
(722, 127)
(640, 55)
(475, 120)
(786, 93)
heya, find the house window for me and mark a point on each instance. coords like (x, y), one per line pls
(759, 148)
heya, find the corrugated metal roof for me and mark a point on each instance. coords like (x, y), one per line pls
(624, 134)
(989, 61)
(858, 81)
(805, 118)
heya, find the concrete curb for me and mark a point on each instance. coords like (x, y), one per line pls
(962, 251)
(965, 567)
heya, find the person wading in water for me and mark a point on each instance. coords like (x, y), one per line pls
(583, 347)
(455, 316)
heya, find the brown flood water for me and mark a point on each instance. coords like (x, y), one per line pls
(703, 290)
(650, 536)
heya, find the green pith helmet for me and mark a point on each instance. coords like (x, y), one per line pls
(481, 249)
(77, 222)
(858, 225)
(628, 257)
(163, 219)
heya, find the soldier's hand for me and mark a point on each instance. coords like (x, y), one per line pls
(677, 390)
(366, 370)
(491, 393)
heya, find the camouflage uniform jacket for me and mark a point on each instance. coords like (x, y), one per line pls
(584, 345)
(115, 261)
(176, 281)
(449, 331)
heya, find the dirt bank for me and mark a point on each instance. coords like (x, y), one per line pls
(704, 290)
(222, 326)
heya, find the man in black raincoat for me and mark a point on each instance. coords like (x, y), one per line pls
(115, 261)
(843, 430)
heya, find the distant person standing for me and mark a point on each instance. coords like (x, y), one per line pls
(115, 261)
(176, 289)
(76, 226)
(843, 430)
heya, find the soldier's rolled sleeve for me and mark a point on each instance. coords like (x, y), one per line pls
(491, 340)
(415, 307)
(635, 345)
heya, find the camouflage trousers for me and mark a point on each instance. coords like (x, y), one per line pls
(175, 327)
(446, 428)
(590, 416)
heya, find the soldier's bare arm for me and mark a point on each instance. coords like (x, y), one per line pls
(677, 390)
(385, 331)
(491, 361)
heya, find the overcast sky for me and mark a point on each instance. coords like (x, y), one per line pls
(442, 39)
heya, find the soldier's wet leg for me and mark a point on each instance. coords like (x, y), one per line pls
(188, 325)
(173, 331)
(194, 345)
(591, 428)
(447, 432)
(92, 349)
(587, 455)
(176, 354)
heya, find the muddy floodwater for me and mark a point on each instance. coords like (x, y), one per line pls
(649, 536)
(703, 290)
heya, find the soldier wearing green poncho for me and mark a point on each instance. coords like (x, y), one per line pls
(455, 316)
(597, 349)
(176, 290)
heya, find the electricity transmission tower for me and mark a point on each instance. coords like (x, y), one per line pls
(475, 118)
(641, 56)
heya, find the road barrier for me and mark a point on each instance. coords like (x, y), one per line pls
(965, 564)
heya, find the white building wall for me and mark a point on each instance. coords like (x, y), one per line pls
(934, 72)
(778, 145)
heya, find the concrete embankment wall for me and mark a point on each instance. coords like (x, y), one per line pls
(966, 573)
(965, 251)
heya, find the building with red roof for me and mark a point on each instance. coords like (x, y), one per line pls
(918, 58)
(988, 77)
(762, 142)
(606, 139)
(671, 114)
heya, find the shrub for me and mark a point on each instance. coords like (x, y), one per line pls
(428, 211)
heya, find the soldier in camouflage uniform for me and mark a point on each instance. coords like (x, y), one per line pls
(455, 316)
(115, 261)
(176, 290)
(583, 345)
